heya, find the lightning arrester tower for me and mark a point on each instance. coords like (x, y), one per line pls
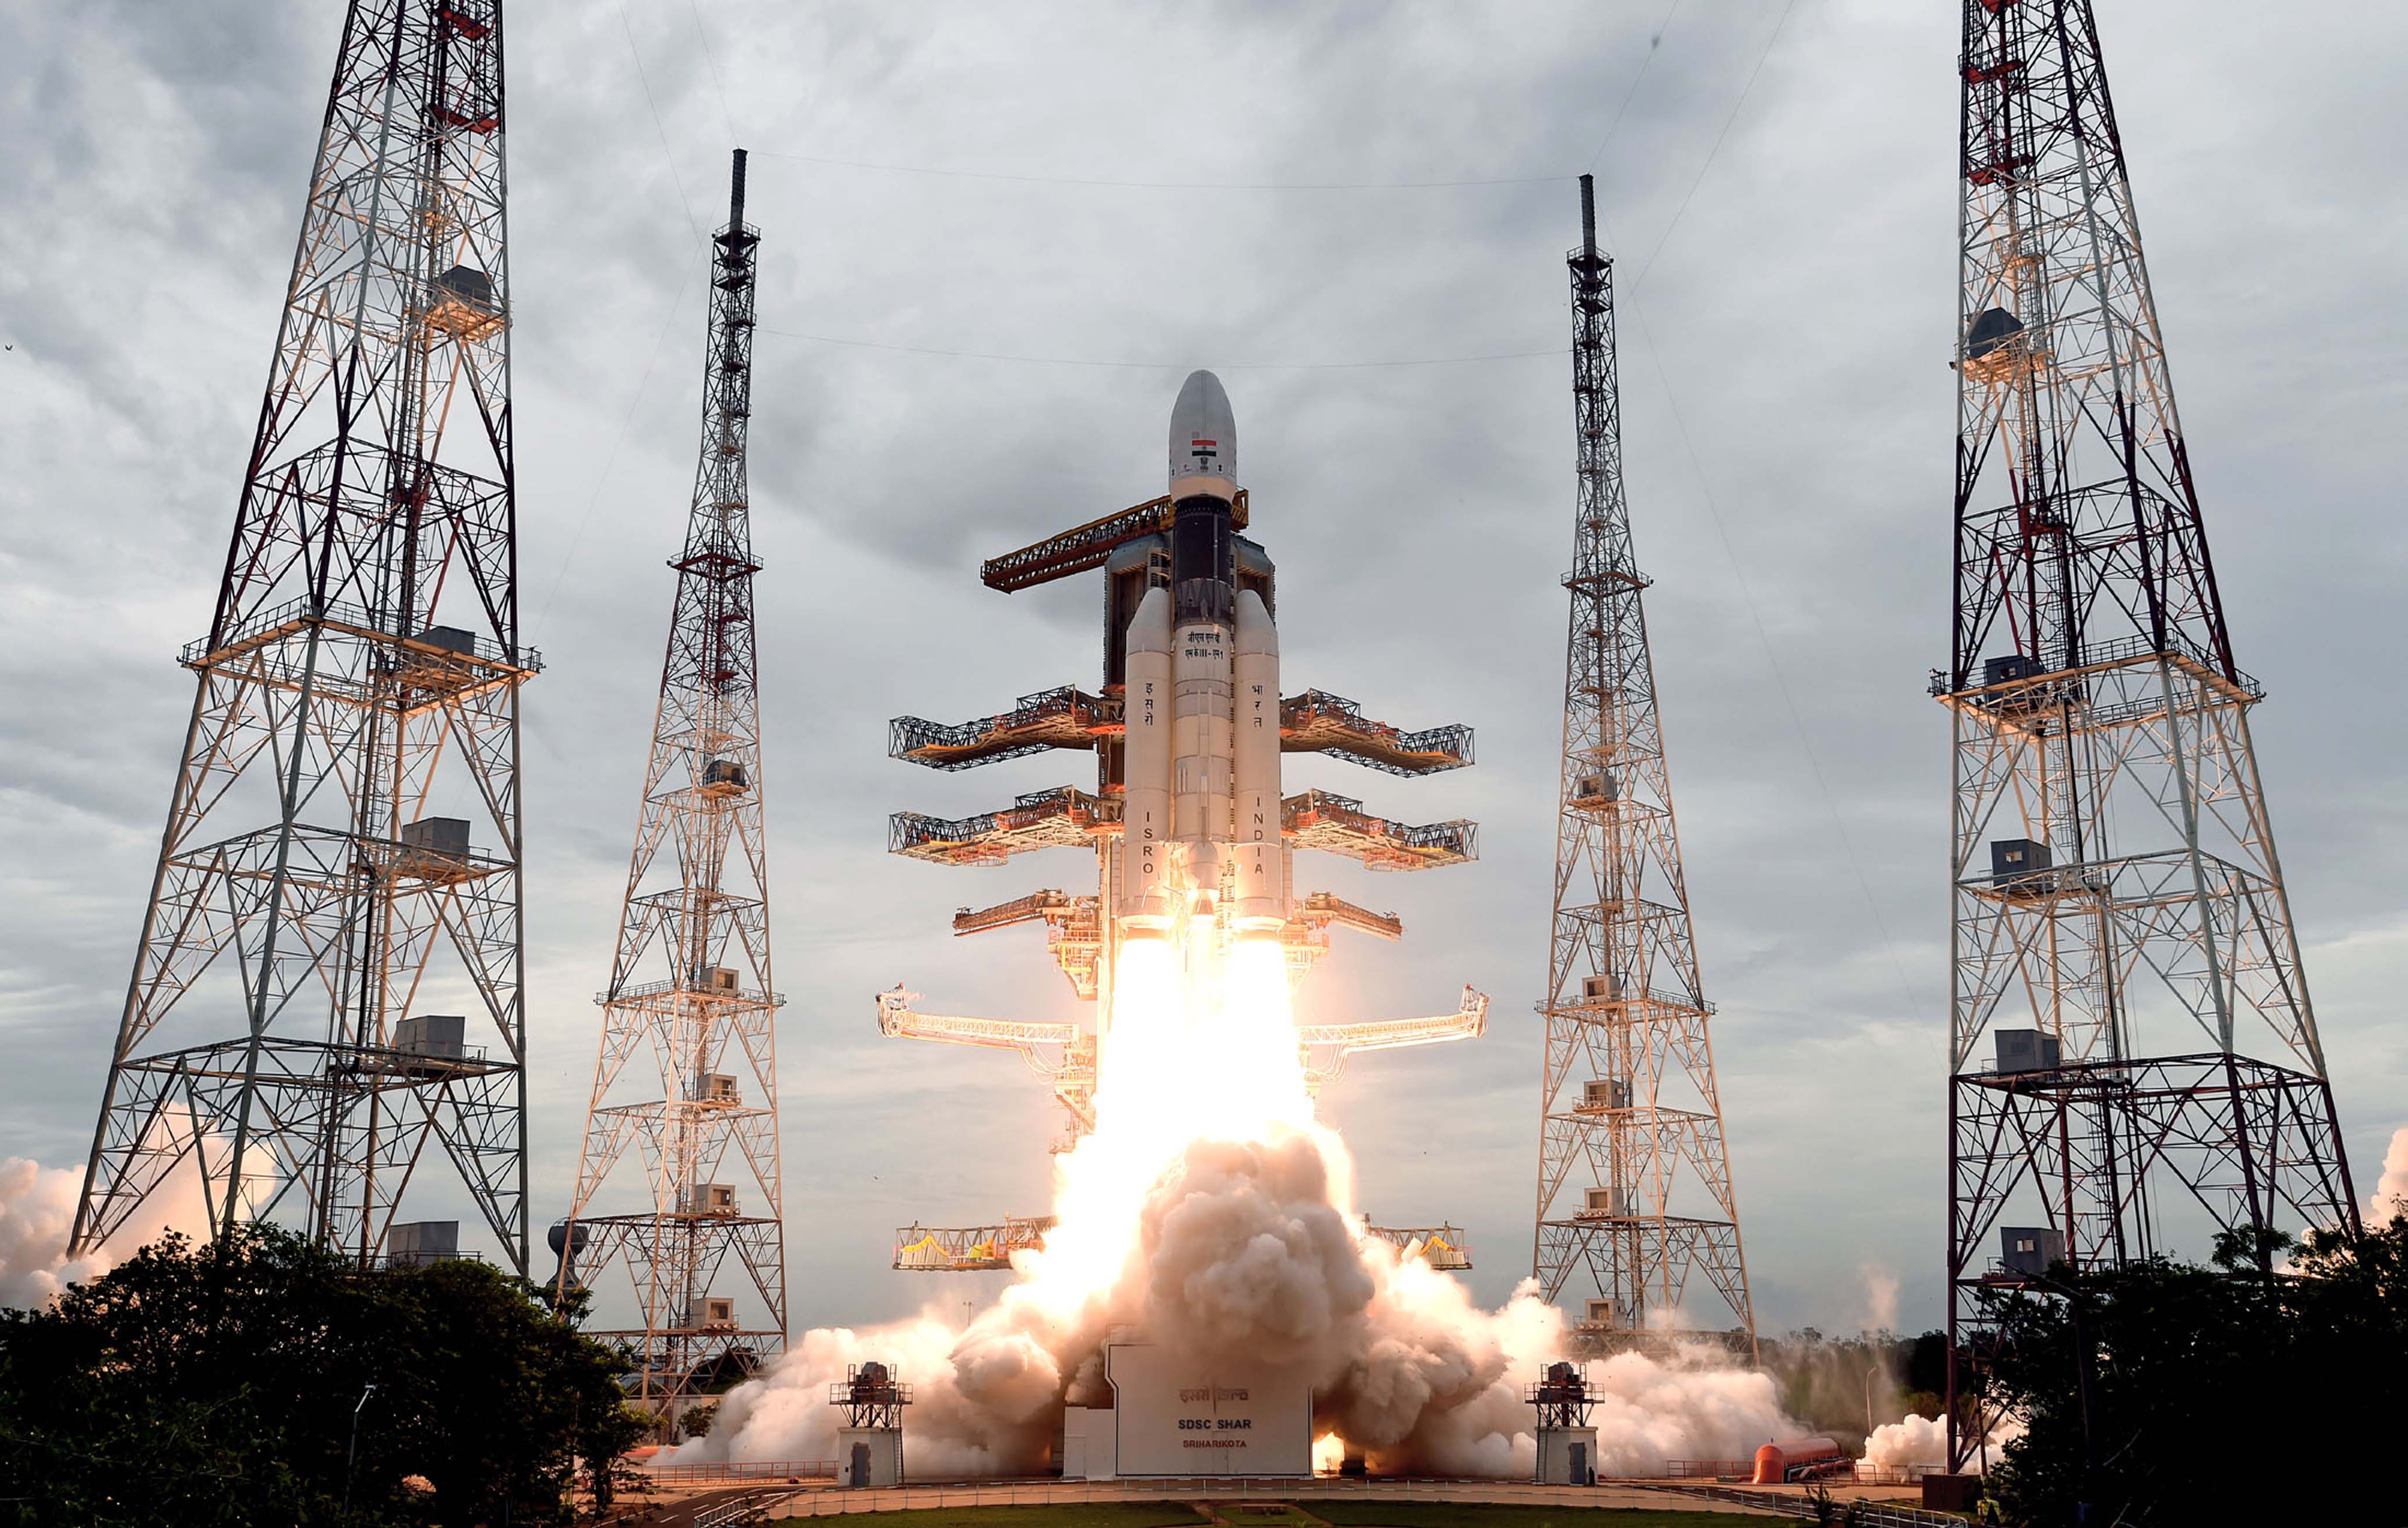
(325, 1006)
(690, 987)
(2121, 934)
(1634, 1183)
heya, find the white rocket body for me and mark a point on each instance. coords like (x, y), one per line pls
(1147, 899)
(1203, 740)
(1259, 883)
(1200, 767)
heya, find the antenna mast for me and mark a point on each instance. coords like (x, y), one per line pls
(691, 986)
(314, 906)
(1634, 1183)
(2121, 933)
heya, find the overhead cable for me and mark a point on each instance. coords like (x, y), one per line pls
(1162, 185)
(1187, 365)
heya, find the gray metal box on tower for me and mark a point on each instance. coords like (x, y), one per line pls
(2029, 1249)
(439, 835)
(1605, 988)
(2012, 858)
(2007, 668)
(2027, 1050)
(413, 1243)
(451, 638)
(463, 302)
(467, 285)
(1605, 1093)
(442, 1037)
(1612, 1202)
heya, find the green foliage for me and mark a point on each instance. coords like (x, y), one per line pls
(2230, 1393)
(1926, 1370)
(1826, 1381)
(217, 1384)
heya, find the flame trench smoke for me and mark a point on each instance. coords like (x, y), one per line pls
(37, 1208)
(1210, 1210)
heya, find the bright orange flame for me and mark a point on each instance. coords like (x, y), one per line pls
(1202, 1046)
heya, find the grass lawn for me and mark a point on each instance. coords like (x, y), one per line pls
(1484, 1515)
(1059, 1515)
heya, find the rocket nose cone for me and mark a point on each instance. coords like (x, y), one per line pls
(1203, 435)
(1201, 392)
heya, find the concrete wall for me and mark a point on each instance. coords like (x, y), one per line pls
(1567, 1456)
(869, 1456)
(1086, 1444)
(1170, 1418)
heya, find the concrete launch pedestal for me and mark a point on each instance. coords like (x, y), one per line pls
(869, 1456)
(1567, 1456)
(1170, 1417)
(869, 1445)
(1567, 1443)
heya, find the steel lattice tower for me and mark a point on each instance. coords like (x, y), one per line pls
(1634, 1183)
(691, 982)
(326, 993)
(2120, 926)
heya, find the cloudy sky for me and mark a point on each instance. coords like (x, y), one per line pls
(996, 240)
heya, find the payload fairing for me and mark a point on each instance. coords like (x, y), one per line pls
(1193, 837)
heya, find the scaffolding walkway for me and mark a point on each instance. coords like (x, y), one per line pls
(1063, 817)
(968, 1249)
(1317, 722)
(1321, 819)
(1067, 817)
(1091, 545)
(1067, 717)
(1063, 717)
(1443, 1247)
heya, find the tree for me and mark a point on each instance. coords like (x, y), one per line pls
(493, 1394)
(1830, 1383)
(216, 1384)
(2172, 1393)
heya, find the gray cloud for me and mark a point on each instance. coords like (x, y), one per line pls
(1790, 334)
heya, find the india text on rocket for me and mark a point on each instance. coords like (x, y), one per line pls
(1193, 839)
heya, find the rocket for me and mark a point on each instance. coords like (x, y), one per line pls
(1201, 817)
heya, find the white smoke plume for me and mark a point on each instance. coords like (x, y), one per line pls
(1912, 1440)
(2391, 1200)
(1924, 1441)
(37, 1207)
(1213, 1213)
(1243, 1252)
(1881, 1297)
